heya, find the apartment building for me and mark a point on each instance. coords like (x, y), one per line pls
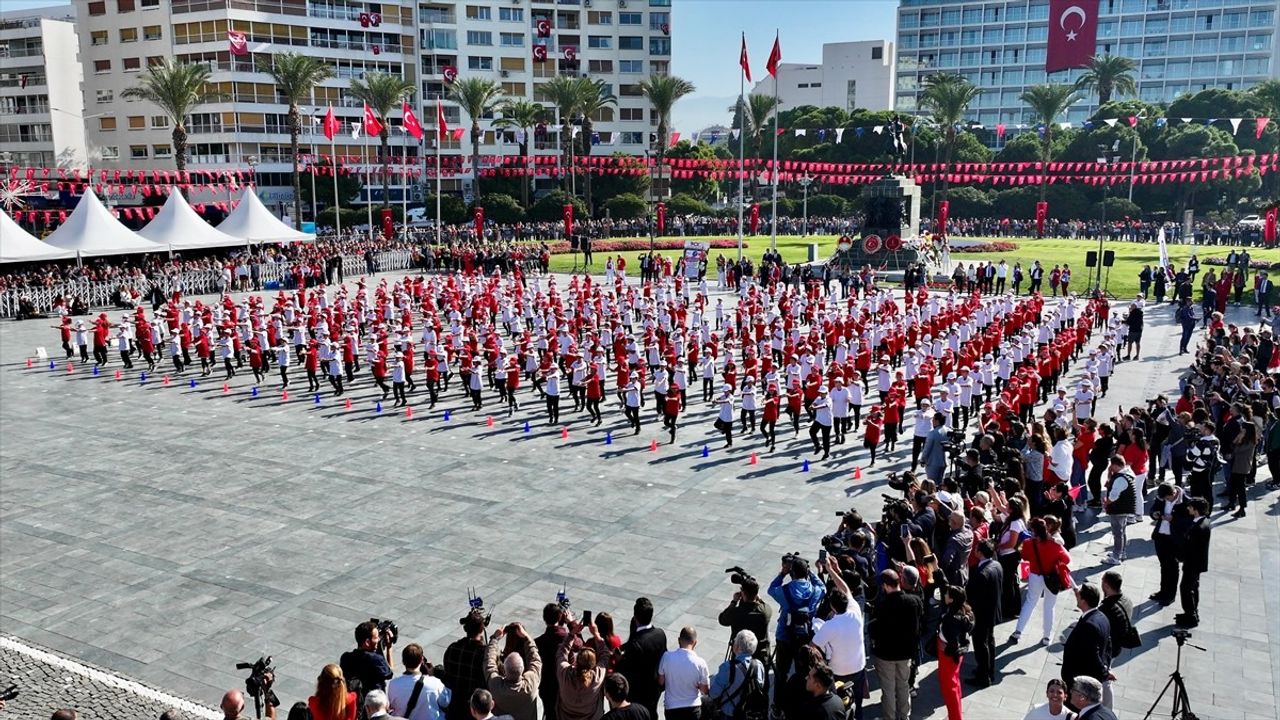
(851, 75)
(41, 123)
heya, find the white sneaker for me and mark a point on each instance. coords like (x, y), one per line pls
(1111, 560)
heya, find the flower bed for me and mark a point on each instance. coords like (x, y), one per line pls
(560, 247)
(1253, 264)
(986, 247)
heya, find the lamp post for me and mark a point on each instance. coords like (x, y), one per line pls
(1133, 156)
(1106, 155)
(805, 182)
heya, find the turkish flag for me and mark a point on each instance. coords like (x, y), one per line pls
(743, 60)
(944, 210)
(1073, 34)
(775, 57)
(662, 218)
(479, 218)
(1269, 229)
(372, 126)
(568, 220)
(331, 124)
(410, 122)
(237, 43)
(440, 123)
(755, 218)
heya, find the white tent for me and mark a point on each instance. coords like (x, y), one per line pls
(18, 245)
(178, 227)
(91, 230)
(253, 222)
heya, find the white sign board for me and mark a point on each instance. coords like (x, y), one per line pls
(695, 251)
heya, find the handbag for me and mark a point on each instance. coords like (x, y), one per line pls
(1052, 579)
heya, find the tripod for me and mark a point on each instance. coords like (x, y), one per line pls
(1181, 702)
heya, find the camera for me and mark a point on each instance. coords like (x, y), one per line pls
(388, 632)
(562, 599)
(791, 558)
(476, 605)
(740, 577)
(1181, 635)
(258, 684)
(901, 481)
(9, 693)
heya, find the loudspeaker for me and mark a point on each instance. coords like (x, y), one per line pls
(573, 243)
(1108, 258)
(1091, 259)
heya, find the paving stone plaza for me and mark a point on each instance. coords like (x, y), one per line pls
(166, 532)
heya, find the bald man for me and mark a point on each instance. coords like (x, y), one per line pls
(233, 707)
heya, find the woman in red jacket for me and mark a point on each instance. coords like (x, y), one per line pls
(1046, 558)
(332, 701)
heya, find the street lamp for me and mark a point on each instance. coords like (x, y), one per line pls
(1133, 157)
(805, 182)
(1106, 155)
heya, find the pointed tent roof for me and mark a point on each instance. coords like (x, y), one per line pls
(92, 230)
(18, 245)
(177, 226)
(253, 222)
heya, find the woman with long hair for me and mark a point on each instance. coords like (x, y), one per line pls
(605, 641)
(332, 701)
(953, 642)
(1008, 534)
(1046, 558)
(1246, 443)
(581, 679)
(1136, 454)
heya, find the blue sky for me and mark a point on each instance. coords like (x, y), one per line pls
(706, 36)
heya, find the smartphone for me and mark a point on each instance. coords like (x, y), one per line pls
(586, 618)
(906, 531)
(822, 554)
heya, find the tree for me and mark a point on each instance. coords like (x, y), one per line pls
(521, 115)
(565, 93)
(626, 207)
(383, 93)
(501, 208)
(177, 88)
(755, 114)
(826, 205)
(1048, 102)
(663, 92)
(1108, 74)
(595, 98)
(948, 96)
(296, 76)
(478, 97)
(453, 210)
(607, 186)
(551, 207)
(682, 204)
(703, 188)
(349, 186)
(1268, 92)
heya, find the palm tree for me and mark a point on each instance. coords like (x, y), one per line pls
(1108, 74)
(383, 93)
(296, 75)
(177, 88)
(521, 115)
(755, 117)
(948, 97)
(565, 93)
(478, 97)
(663, 92)
(1048, 102)
(596, 96)
(1269, 92)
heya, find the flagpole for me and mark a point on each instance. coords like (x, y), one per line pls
(439, 182)
(773, 175)
(368, 196)
(742, 141)
(404, 182)
(337, 202)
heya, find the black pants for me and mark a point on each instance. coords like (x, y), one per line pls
(124, 358)
(475, 399)
(1095, 482)
(593, 409)
(553, 409)
(382, 384)
(817, 429)
(397, 391)
(1202, 485)
(1011, 602)
(748, 418)
(100, 354)
(1190, 591)
(227, 368)
(984, 650)
(633, 417)
(669, 422)
(769, 428)
(1167, 552)
(1236, 494)
(917, 444)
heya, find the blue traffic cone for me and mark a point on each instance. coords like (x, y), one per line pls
(317, 398)
(526, 426)
(142, 377)
(255, 391)
(95, 369)
(53, 365)
(706, 452)
(378, 406)
(193, 382)
(446, 416)
(806, 467)
(608, 438)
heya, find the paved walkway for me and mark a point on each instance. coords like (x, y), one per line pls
(166, 533)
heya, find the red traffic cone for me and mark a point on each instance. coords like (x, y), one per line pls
(408, 412)
(71, 368)
(28, 363)
(754, 460)
(284, 396)
(347, 404)
(857, 472)
(653, 446)
(117, 374)
(226, 389)
(564, 433)
(166, 381)
(489, 421)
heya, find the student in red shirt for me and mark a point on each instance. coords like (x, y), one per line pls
(595, 393)
(769, 419)
(513, 384)
(795, 400)
(871, 433)
(670, 413)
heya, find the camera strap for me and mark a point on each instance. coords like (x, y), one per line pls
(417, 692)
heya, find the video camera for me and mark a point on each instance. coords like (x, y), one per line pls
(740, 577)
(475, 604)
(9, 693)
(791, 558)
(258, 684)
(900, 481)
(562, 599)
(388, 633)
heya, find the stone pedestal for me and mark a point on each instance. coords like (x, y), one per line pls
(892, 208)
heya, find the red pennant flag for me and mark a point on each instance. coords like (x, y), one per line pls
(410, 122)
(1073, 34)
(237, 43)
(372, 126)
(440, 123)
(775, 57)
(743, 60)
(331, 124)
(1261, 125)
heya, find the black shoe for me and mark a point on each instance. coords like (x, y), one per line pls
(978, 681)
(1163, 601)
(1238, 514)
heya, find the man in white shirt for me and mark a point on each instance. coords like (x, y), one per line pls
(431, 700)
(684, 677)
(841, 638)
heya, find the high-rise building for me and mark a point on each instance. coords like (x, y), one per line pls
(1180, 46)
(40, 105)
(851, 75)
(425, 41)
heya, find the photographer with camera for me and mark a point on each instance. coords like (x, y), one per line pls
(368, 666)
(798, 593)
(463, 665)
(515, 686)
(841, 638)
(747, 611)
(417, 694)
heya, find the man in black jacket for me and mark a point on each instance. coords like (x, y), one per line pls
(895, 639)
(1171, 522)
(985, 586)
(1087, 651)
(548, 643)
(1195, 560)
(747, 611)
(640, 656)
(1119, 612)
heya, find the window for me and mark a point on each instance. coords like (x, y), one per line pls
(98, 37)
(154, 60)
(159, 122)
(599, 41)
(877, 53)
(511, 39)
(132, 64)
(630, 18)
(632, 138)
(600, 66)
(101, 66)
(137, 122)
(598, 17)
(161, 151)
(479, 12)
(630, 42)
(1260, 18)
(138, 152)
(507, 14)
(98, 8)
(630, 91)
(151, 32)
(631, 66)
(511, 64)
(1015, 34)
(660, 46)
(105, 96)
(128, 35)
(851, 95)
(110, 152)
(479, 63)
(107, 124)
(634, 114)
(124, 6)
(1259, 42)
(514, 89)
(659, 19)
(150, 4)
(441, 40)
(479, 37)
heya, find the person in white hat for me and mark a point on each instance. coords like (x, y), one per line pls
(724, 420)
(922, 423)
(822, 422)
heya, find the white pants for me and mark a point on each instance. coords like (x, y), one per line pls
(1036, 590)
(1140, 497)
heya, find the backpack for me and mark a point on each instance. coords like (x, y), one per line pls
(800, 623)
(751, 699)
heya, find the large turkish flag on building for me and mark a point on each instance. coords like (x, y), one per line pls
(1073, 34)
